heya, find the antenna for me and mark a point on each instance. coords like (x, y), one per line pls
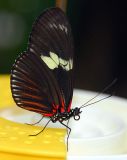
(105, 89)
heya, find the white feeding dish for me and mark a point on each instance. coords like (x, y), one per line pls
(97, 133)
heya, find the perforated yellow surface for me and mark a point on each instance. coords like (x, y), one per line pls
(15, 142)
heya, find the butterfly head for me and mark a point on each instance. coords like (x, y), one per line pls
(76, 113)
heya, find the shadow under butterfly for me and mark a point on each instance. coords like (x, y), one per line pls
(42, 76)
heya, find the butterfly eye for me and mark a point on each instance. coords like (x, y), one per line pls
(76, 117)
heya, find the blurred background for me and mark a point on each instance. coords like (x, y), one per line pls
(100, 32)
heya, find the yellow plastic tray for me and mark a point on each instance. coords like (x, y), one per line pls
(5, 92)
(15, 142)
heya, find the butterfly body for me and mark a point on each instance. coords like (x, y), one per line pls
(66, 115)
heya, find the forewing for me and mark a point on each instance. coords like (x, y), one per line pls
(51, 38)
(32, 85)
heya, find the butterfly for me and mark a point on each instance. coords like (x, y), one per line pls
(42, 76)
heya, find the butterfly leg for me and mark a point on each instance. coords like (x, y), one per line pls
(42, 129)
(35, 122)
(68, 133)
(67, 128)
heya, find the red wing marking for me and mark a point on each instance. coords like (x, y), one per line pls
(33, 103)
(33, 96)
(55, 106)
(32, 109)
(48, 114)
(19, 85)
(62, 106)
(69, 107)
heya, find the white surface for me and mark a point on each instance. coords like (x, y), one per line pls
(100, 134)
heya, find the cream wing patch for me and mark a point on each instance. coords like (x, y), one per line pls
(49, 62)
(54, 57)
(54, 61)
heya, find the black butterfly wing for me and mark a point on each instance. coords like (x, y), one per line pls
(33, 86)
(51, 32)
(51, 39)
